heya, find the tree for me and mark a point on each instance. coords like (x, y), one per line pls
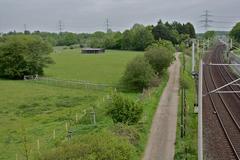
(142, 37)
(161, 31)
(112, 40)
(138, 74)
(23, 55)
(127, 40)
(159, 58)
(163, 43)
(124, 110)
(189, 29)
(209, 34)
(175, 32)
(235, 32)
(67, 39)
(137, 38)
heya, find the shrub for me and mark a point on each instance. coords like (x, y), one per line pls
(159, 58)
(124, 110)
(129, 132)
(138, 74)
(97, 146)
(23, 55)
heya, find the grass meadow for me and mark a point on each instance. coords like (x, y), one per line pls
(37, 116)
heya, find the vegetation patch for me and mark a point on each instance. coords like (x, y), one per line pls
(186, 138)
(99, 146)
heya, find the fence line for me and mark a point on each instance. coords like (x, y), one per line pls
(73, 83)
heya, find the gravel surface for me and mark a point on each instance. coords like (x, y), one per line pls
(161, 142)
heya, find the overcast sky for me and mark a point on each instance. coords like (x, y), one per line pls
(91, 15)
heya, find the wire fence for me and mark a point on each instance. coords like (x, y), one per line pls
(78, 84)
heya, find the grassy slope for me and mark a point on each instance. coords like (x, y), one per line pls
(40, 108)
(186, 148)
(150, 106)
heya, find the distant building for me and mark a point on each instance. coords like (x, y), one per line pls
(93, 50)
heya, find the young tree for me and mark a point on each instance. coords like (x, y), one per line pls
(23, 55)
(124, 110)
(159, 58)
(138, 74)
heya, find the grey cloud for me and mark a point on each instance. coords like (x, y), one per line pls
(90, 15)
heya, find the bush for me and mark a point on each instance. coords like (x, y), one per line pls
(159, 58)
(23, 55)
(138, 74)
(124, 110)
(129, 132)
(97, 146)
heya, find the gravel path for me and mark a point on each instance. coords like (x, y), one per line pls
(161, 142)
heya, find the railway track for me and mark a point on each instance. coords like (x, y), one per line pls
(215, 77)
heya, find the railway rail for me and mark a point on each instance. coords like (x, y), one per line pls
(223, 105)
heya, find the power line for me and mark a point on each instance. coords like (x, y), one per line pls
(226, 22)
(25, 27)
(60, 26)
(107, 25)
(228, 17)
(206, 20)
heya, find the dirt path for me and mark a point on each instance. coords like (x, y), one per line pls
(162, 136)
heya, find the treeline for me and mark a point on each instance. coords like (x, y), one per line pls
(235, 32)
(136, 38)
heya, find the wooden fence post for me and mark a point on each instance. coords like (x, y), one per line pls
(54, 134)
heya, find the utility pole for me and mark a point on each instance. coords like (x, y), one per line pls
(25, 27)
(208, 43)
(200, 128)
(193, 56)
(198, 46)
(206, 20)
(231, 43)
(60, 26)
(107, 25)
(203, 47)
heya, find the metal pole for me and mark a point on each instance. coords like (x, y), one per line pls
(203, 49)
(193, 57)
(200, 132)
(197, 46)
(231, 43)
(208, 43)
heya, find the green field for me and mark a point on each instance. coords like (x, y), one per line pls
(100, 68)
(35, 111)
(40, 109)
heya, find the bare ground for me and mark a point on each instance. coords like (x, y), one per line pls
(161, 142)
